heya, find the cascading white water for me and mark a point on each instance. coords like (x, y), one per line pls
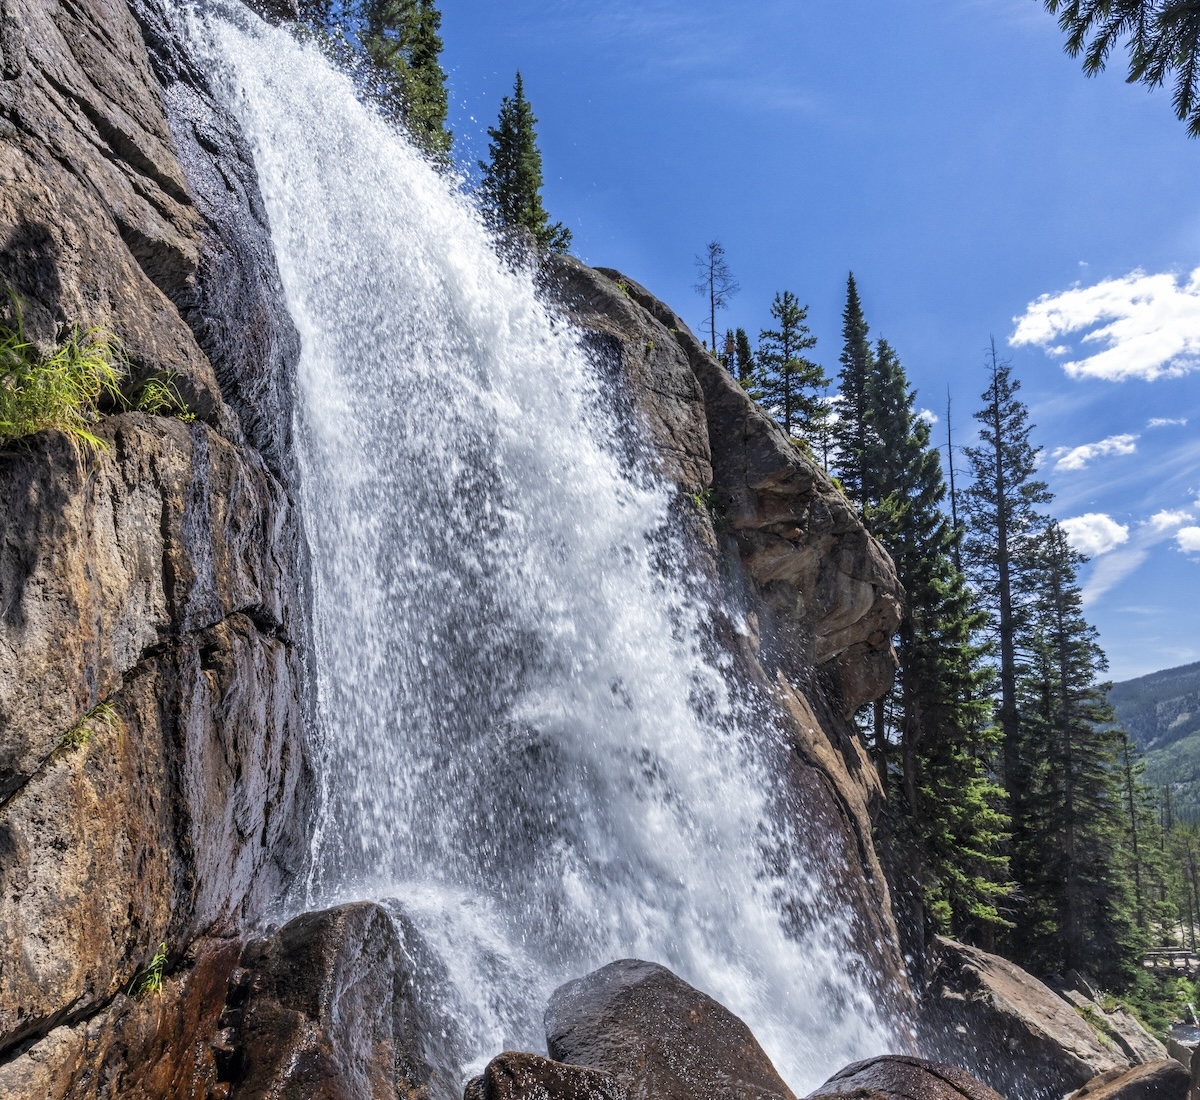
(527, 739)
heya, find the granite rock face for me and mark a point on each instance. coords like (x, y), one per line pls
(155, 782)
(1010, 1029)
(658, 1036)
(1164, 1079)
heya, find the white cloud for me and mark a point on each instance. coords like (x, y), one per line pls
(1147, 326)
(1095, 533)
(1168, 521)
(1188, 539)
(929, 416)
(1077, 458)
(1166, 422)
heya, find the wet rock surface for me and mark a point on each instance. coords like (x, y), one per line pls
(1013, 1031)
(518, 1076)
(1164, 1079)
(901, 1078)
(658, 1036)
(327, 1007)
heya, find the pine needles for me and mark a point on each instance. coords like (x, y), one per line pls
(60, 390)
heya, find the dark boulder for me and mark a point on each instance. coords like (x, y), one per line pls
(516, 1076)
(327, 1009)
(658, 1036)
(896, 1077)
(1163, 1080)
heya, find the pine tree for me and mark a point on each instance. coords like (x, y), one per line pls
(944, 807)
(1069, 834)
(716, 284)
(1001, 509)
(512, 175)
(852, 433)
(787, 381)
(401, 42)
(743, 359)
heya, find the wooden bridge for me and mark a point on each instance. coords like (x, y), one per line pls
(1173, 958)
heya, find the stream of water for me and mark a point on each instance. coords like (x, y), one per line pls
(528, 739)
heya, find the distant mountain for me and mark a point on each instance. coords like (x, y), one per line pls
(1161, 711)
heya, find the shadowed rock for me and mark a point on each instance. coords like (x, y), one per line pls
(1161, 1080)
(658, 1036)
(516, 1076)
(896, 1077)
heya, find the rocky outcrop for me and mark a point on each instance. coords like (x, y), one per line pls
(518, 1076)
(1165, 1079)
(658, 1036)
(155, 789)
(1008, 1028)
(899, 1078)
(819, 598)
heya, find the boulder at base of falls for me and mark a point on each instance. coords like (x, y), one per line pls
(327, 1008)
(658, 1036)
(1010, 1029)
(517, 1076)
(1162, 1080)
(897, 1077)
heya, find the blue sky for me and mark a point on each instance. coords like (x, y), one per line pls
(952, 156)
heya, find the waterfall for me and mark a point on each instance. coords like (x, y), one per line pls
(528, 738)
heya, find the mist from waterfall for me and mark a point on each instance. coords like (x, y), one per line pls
(528, 737)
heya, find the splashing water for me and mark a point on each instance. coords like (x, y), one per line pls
(528, 740)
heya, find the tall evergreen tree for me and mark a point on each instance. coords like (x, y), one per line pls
(852, 432)
(1069, 844)
(401, 41)
(512, 175)
(743, 359)
(945, 808)
(1001, 509)
(787, 380)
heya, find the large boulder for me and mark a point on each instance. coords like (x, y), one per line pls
(1165, 1079)
(327, 1008)
(517, 1076)
(896, 1077)
(1008, 1028)
(658, 1036)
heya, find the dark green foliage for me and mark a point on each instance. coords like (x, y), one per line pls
(1162, 38)
(743, 359)
(787, 381)
(934, 734)
(1070, 832)
(512, 175)
(1001, 509)
(404, 77)
(852, 431)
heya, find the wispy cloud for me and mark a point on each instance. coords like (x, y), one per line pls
(1188, 539)
(1095, 533)
(1166, 422)
(1148, 326)
(1078, 458)
(1110, 571)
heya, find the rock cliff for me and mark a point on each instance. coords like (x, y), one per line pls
(156, 783)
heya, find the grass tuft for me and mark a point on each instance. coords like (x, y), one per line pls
(148, 982)
(61, 390)
(80, 734)
(161, 397)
